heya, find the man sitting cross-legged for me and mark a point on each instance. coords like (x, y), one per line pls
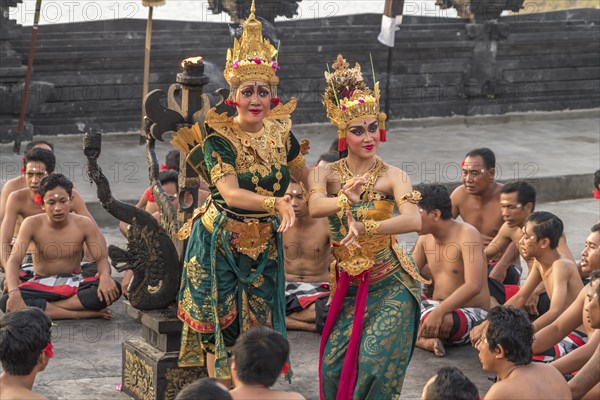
(453, 252)
(505, 349)
(59, 286)
(307, 254)
(563, 335)
(24, 203)
(25, 350)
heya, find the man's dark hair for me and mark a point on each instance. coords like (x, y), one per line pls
(52, 181)
(547, 225)
(23, 336)
(597, 179)
(168, 176)
(34, 143)
(260, 354)
(525, 192)
(487, 155)
(203, 389)
(511, 328)
(596, 228)
(435, 197)
(41, 155)
(452, 384)
(172, 160)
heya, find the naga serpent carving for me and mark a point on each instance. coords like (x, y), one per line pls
(150, 252)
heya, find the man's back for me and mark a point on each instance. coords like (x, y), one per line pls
(532, 381)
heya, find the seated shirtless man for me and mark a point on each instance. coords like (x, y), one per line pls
(59, 285)
(505, 349)
(517, 201)
(24, 203)
(563, 336)
(477, 202)
(453, 253)
(307, 256)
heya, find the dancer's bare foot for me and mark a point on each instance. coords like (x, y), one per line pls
(432, 344)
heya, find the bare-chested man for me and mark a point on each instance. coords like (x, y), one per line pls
(517, 201)
(477, 201)
(307, 256)
(559, 275)
(19, 182)
(453, 252)
(60, 286)
(564, 335)
(22, 204)
(505, 349)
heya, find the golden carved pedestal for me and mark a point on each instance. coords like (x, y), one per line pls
(150, 370)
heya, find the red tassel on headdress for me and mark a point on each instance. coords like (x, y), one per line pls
(382, 135)
(342, 144)
(231, 103)
(275, 101)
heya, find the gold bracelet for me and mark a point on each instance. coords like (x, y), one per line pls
(343, 201)
(315, 190)
(268, 205)
(371, 226)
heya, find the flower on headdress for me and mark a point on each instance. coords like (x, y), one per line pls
(275, 101)
(286, 368)
(257, 60)
(231, 103)
(37, 199)
(274, 65)
(361, 100)
(342, 107)
(347, 93)
(235, 64)
(163, 167)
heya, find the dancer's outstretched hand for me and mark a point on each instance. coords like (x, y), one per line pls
(283, 205)
(355, 229)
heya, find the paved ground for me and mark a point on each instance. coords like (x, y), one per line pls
(87, 364)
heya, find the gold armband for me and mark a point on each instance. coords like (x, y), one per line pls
(343, 201)
(413, 197)
(315, 190)
(268, 205)
(371, 227)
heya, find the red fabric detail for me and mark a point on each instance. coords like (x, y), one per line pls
(37, 199)
(149, 196)
(382, 135)
(538, 358)
(576, 339)
(275, 101)
(510, 291)
(64, 290)
(463, 326)
(342, 144)
(306, 301)
(597, 194)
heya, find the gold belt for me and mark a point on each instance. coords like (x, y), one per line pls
(355, 260)
(252, 237)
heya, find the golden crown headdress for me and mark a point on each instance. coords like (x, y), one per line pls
(347, 98)
(252, 57)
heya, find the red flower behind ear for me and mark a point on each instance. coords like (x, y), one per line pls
(597, 194)
(462, 164)
(275, 101)
(149, 195)
(22, 170)
(163, 167)
(286, 368)
(49, 350)
(37, 199)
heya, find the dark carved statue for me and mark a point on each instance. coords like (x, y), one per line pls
(151, 253)
(268, 9)
(481, 10)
